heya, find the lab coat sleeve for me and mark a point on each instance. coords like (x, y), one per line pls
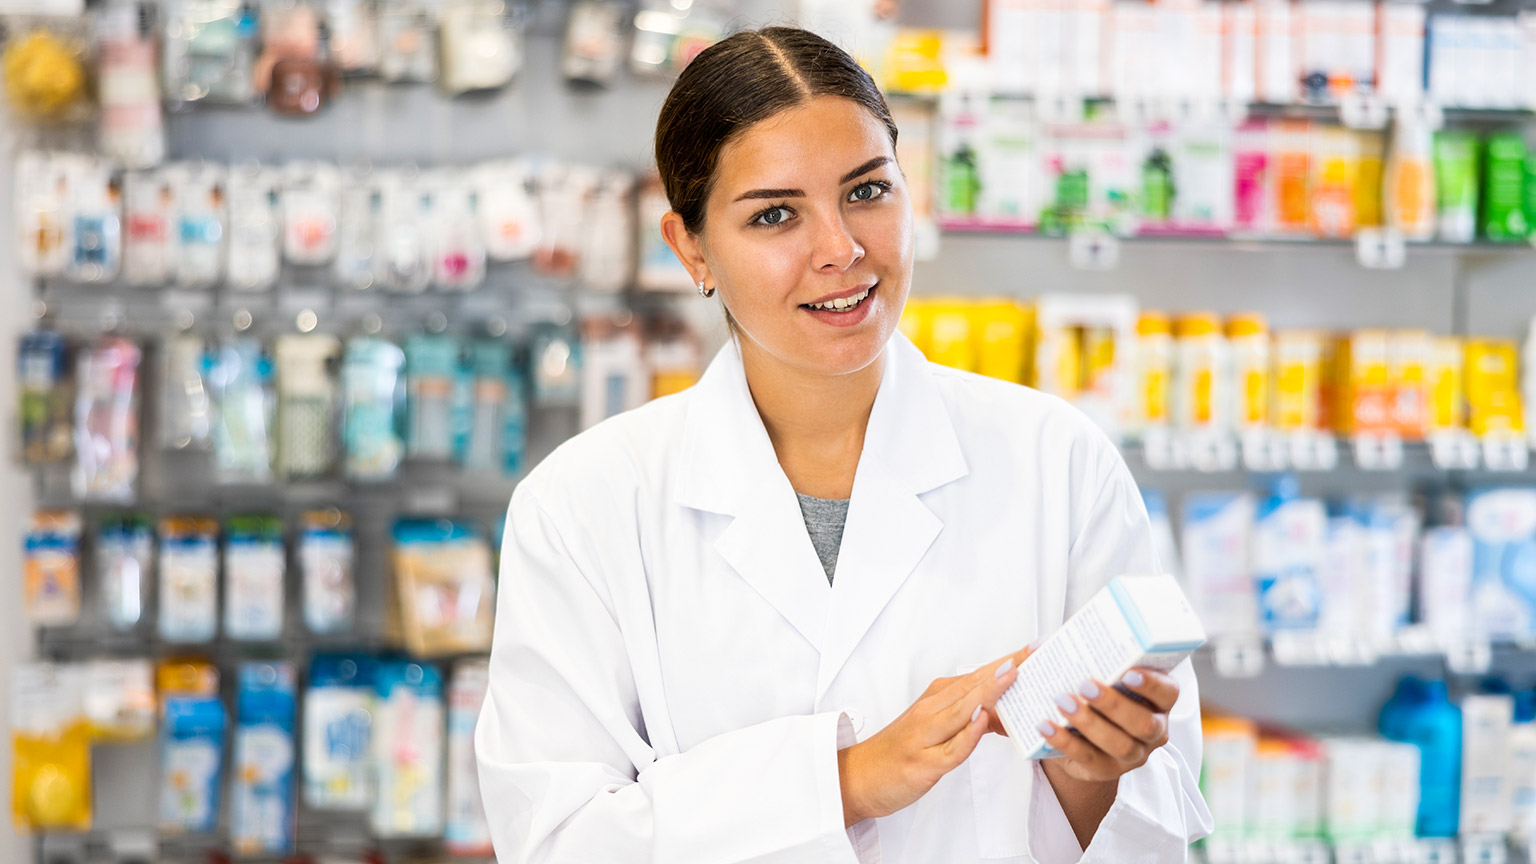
(1158, 809)
(566, 770)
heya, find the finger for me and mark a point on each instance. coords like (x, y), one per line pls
(1101, 732)
(1075, 748)
(1156, 687)
(985, 693)
(936, 686)
(962, 688)
(960, 745)
(1133, 715)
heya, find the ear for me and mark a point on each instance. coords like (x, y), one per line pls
(687, 246)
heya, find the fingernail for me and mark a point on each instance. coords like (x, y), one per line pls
(975, 714)
(1089, 690)
(1003, 669)
(1045, 729)
(1132, 679)
(1036, 644)
(1067, 703)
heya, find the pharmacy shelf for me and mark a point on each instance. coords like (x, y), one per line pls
(1249, 656)
(1415, 458)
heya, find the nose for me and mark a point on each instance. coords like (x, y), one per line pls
(836, 247)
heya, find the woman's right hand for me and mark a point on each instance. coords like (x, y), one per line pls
(900, 763)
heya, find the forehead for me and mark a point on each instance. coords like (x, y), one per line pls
(826, 135)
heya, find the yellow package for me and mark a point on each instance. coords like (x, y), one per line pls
(1248, 336)
(1293, 175)
(1153, 371)
(1001, 330)
(1098, 364)
(445, 593)
(1335, 182)
(1445, 410)
(1368, 178)
(915, 62)
(1058, 361)
(949, 335)
(186, 676)
(1298, 380)
(1364, 397)
(51, 750)
(1199, 397)
(1408, 356)
(1493, 387)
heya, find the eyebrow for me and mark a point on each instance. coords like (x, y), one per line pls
(867, 167)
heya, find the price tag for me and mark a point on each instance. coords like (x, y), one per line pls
(1506, 453)
(1352, 853)
(1434, 850)
(1222, 850)
(1453, 450)
(1345, 650)
(1298, 648)
(1232, 112)
(1059, 109)
(1383, 452)
(1093, 250)
(1392, 850)
(1363, 111)
(1264, 451)
(1484, 849)
(1416, 640)
(1211, 451)
(1469, 656)
(1257, 852)
(1134, 110)
(1380, 249)
(1422, 113)
(1238, 656)
(1161, 450)
(431, 500)
(1314, 451)
(1311, 852)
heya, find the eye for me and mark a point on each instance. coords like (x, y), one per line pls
(869, 190)
(771, 216)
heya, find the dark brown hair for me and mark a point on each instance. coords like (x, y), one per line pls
(746, 78)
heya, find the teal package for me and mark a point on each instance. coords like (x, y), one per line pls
(262, 814)
(436, 389)
(371, 390)
(191, 764)
(495, 436)
(241, 378)
(1503, 527)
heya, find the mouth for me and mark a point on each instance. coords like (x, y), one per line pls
(846, 303)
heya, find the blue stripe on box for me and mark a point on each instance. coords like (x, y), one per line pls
(1139, 628)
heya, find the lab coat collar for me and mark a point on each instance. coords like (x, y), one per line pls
(728, 467)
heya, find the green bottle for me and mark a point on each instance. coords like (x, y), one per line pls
(1157, 187)
(962, 182)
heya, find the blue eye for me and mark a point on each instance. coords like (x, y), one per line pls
(869, 191)
(771, 216)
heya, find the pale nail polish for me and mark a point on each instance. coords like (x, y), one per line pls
(1067, 704)
(1132, 679)
(1036, 644)
(1089, 690)
(1003, 669)
(1045, 729)
(975, 714)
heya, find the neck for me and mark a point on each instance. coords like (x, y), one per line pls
(815, 422)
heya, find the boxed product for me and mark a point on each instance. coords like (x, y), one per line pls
(1503, 526)
(1134, 621)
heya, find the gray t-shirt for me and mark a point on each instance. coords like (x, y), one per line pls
(824, 520)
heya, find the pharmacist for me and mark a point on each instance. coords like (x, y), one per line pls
(767, 619)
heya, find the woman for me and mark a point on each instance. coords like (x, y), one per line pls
(744, 623)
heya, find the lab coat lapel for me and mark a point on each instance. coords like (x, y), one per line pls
(910, 448)
(727, 466)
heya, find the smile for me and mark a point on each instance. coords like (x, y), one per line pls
(841, 304)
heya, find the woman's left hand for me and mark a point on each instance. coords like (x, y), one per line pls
(1115, 733)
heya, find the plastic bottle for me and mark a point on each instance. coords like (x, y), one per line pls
(1393, 720)
(1154, 371)
(1435, 726)
(1249, 337)
(1201, 398)
(1409, 186)
(1522, 766)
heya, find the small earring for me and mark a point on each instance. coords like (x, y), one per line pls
(705, 292)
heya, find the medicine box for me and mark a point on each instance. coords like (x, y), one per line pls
(1134, 621)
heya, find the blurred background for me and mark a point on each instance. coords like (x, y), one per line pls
(296, 292)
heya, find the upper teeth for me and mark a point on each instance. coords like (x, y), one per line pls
(843, 302)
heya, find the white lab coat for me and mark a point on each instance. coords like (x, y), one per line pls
(672, 675)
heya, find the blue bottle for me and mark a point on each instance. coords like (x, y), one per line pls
(1393, 720)
(1435, 726)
